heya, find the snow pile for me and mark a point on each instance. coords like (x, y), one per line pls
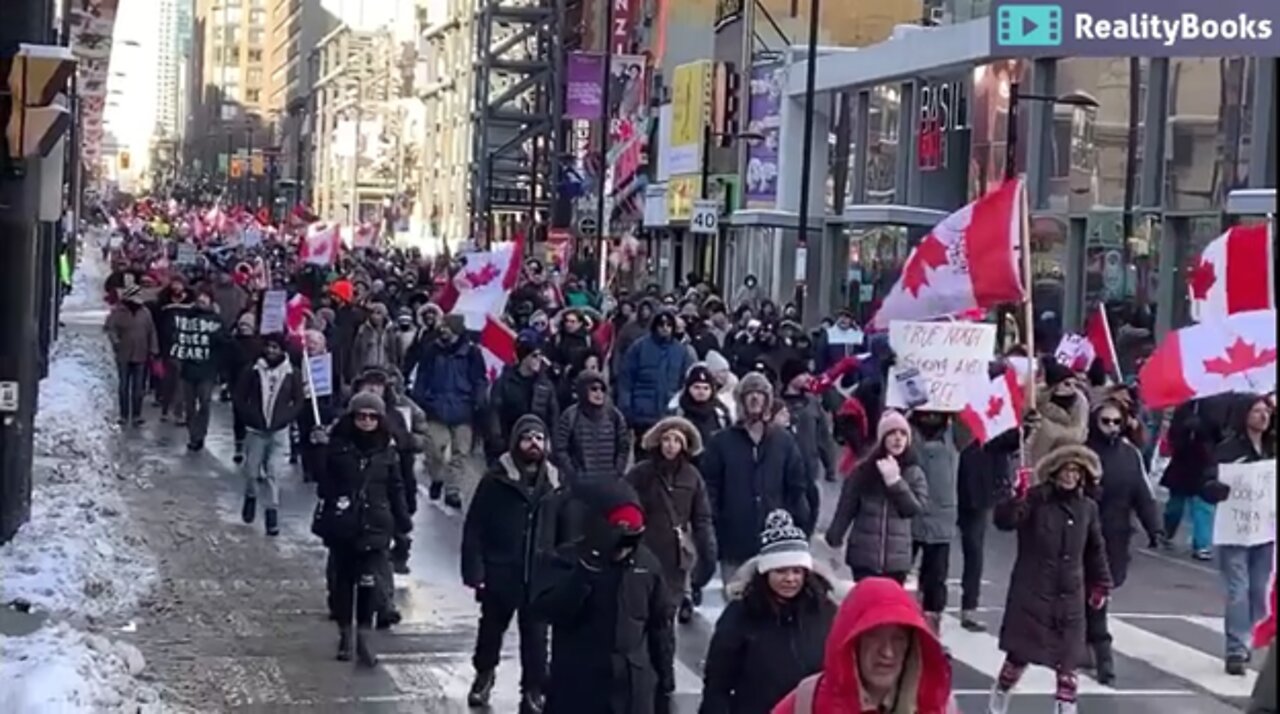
(79, 557)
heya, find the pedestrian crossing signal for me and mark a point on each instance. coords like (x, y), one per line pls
(256, 165)
(236, 168)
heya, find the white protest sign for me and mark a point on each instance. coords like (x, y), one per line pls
(186, 254)
(320, 375)
(251, 237)
(1248, 516)
(274, 305)
(948, 354)
(1074, 351)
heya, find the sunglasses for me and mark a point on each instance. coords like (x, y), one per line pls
(366, 416)
(533, 437)
(1108, 421)
(596, 388)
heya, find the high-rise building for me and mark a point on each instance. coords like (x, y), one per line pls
(166, 86)
(296, 26)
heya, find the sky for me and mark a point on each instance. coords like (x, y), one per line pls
(130, 114)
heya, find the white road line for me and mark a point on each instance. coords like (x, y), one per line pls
(1178, 561)
(1110, 692)
(1213, 623)
(1189, 663)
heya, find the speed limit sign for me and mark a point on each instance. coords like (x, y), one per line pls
(705, 217)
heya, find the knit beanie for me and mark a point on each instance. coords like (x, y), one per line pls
(782, 544)
(528, 342)
(1055, 372)
(699, 374)
(716, 362)
(456, 324)
(367, 402)
(892, 421)
(791, 369)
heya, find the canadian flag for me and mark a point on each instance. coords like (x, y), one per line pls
(1233, 274)
(967, 261)
(497, 346)
(296, 311)
(1097, 330)
(480, 288)
(320, 244)
(994, 406)
(1234, 354)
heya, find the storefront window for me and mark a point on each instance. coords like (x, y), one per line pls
(882, 144)
(1206, 152)
(876, 255)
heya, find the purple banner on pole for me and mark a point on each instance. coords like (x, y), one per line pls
(762, 118)
(584, 86)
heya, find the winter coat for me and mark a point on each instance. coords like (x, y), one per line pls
(813, 433)
(881, 517)
(1124, 493)
(925, 684)
(985, 472)
(1061, 559)
(375, 347)
(624, 337)
(761, 649)
(1058, 426)
(651, 373)
(512, 396)
(591, 443)
(745, 481)
(231, 300)
(450, 384)
(940, 462)
(567, 350)
(162, 312)
(132, 334)
(347, 319)
(1193, 435)
(508, 526)
(252, 392)
(198, 340)
(678, 526)
(612, 639)
(371, 481)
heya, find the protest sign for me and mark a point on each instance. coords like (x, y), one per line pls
(1248, 516)
(948, 356)
(1074, 351)
(273, 312)
(320, 374)
(193, 335)
(186, 254)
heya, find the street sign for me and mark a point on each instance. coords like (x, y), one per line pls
(587, 226)
(705, 217)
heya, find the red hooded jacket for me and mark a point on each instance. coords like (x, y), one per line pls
(875, 602)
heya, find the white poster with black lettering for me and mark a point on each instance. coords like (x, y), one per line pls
(948, 355)
(705, 217)
(320, 374)
(1248, 515)
(194, 333)
(274, 307)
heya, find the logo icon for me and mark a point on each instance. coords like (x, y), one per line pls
(1029, 26)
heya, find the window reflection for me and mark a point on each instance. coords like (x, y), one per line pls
(882, 144)
(1206, 153)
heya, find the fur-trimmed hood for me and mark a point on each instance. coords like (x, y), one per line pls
(1065, 454)
(512, 472)
(652, 440)
(1058, 426)
(736, 588)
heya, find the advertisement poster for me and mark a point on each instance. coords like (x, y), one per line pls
(763, 119)
(584, 86)
(690, 97)
(629, 110)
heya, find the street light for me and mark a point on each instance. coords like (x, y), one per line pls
(1011, 119)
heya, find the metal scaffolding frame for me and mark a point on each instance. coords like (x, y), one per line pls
(515, 145)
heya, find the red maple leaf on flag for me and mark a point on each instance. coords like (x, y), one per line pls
(1240, 357)
(484, 276)
(1201, 277)
(931, 253)
(994, 405)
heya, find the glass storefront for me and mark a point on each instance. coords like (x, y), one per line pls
(882, 144)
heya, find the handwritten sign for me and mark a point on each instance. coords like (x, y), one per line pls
(320, 375)
(1074, 351)
(273, 312)
(1248, 516)
(947, 354)
(193, 336)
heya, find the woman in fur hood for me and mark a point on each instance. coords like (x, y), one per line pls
(1063, 409)
(773, 631)
(679, 531)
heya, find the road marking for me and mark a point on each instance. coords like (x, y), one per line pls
(1189, 663)
(1181, 562)
(1109, 693)
(1213, 623)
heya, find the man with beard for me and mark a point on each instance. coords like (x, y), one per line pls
(592, 442)
(267, 399)
(522, 388)
(518, 513)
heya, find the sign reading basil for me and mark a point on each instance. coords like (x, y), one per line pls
(193, 336)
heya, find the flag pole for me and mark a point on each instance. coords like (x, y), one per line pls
(1028, 313)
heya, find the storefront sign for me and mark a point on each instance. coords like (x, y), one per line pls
(948, 355)
(690, 97)
(584, 86)
(623, 22)
(655, 205)
(763, 111)
(681, 191)
(944, 109)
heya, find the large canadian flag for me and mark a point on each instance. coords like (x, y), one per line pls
(994, 406)
(1233, 274)
(480, 288)
(1233, 354)
(967, 261)
(320, 244)
(497, 346)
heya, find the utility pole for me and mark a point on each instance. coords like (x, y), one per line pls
(813, 250)
(247, 170)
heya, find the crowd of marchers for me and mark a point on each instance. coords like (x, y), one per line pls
(640, 445)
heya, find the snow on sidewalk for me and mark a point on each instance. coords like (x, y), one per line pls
(78, 558)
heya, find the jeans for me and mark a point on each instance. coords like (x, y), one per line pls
(1096, 631)
(934, 560)
(129, 388)
(456, 441)
(169, 391)
(495, 618)
(972, 524)
(353, 593)
(260, 447)
(1246, 575)
(727, 570)
(195, 397)
(1201, 519)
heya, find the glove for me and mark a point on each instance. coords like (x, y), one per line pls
(319, 436)
(1216, 491)
(1097, 598)
(889, 470)
(1021, 483)
(479, 591)
(996, 368)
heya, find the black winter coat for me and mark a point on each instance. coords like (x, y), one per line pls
(1061, 557)
(513, 395)
(1124, 494)
(746, 481)
(671, 502)
(761, 650)
(370, 480)
(591, 443)
(508, 526)
(612, 639)
(247, 397)
(985, 471)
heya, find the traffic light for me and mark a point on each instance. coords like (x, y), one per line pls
(236, 168)
(33, 77)
(124, 161)
(256, 165)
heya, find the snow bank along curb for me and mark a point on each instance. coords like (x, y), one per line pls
(79, 557)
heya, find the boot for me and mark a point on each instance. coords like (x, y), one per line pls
(239, 456)
(481, 688)
(685, 614)
(1105, 664)
(345, 649)
(453, 500)
(970, 622)
(532, 703)
(1061, 707)
(250, 508)
(272, 519)
(998, 702)
(435, 490)
(364, 656)
(934, 621)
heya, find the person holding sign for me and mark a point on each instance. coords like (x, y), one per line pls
(197, 341)
(1244, 525)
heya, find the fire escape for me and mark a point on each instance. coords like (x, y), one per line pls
(516, 154)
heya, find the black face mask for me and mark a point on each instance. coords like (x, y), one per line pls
(1063, 401)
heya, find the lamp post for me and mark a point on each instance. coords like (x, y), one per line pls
(813, 258)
